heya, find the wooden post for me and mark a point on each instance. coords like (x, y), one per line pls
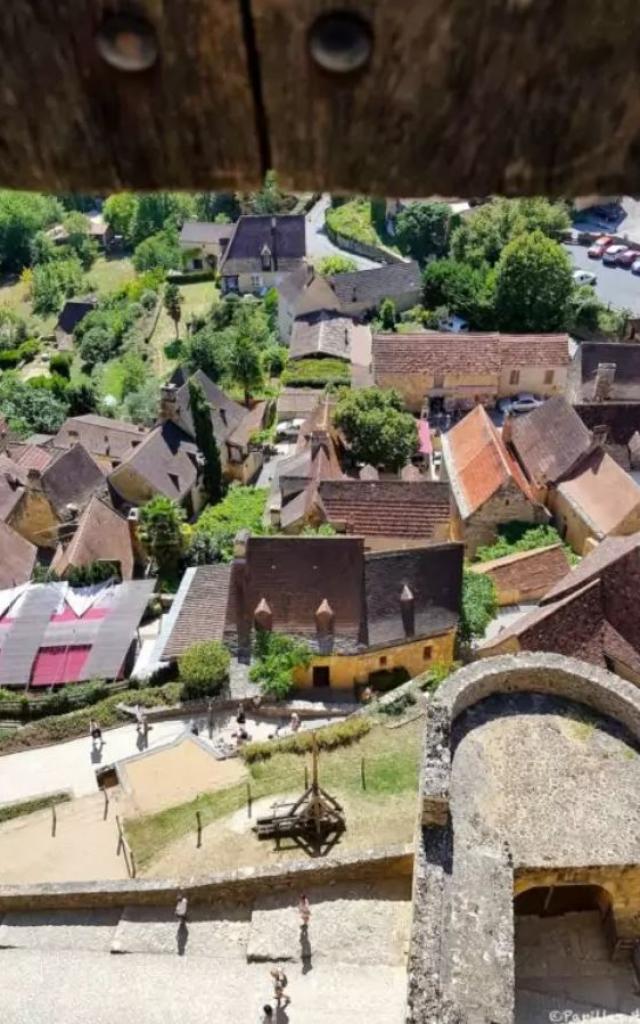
(306, 777)
(120, 836)
(199, 826)
(106, 805)
(54, 820)
(133, 863)
(210, 718)
(363, 776)
(249, 799)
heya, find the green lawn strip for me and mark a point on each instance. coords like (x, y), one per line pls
(197, 298)
(391, 766)
(57, 728)
(17, 810)
(112, 378)
(106, 275)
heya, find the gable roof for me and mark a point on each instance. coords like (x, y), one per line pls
(297, 402)
(321, 334)
(284, 236)
(529, 574)
(202, 600)
(626, 382)
(13, 480)
(602, 493)
(393, 508)
(550, 440)
(610, 551)
(17, 557)
(431, 352)
(204, 232)
(101, 535)
(226, 415)
(32, 456)
(370, 287)
(101, 436)
(166, 461)
(72, 478)
(544, 350)
(478, 463)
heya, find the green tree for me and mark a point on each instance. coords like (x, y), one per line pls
(276, 657)
(465, 290)
(481, 236)
(422, 230)
(98, 345)
(173, 304)
(337, 264)
(134, 372)
(54, 282)
(156, 211)
(160, 251)
(22, 216)
(203, 669)
(119, 212)
(141, 406)
(30, 409)
(43, 249)
(205, 350)
(13, 328)
(479, 604)
(534, 285)
(161, 533)
(245, 366)
(213, 205)
(205, 439)
(79, 241)
(269, 199)
(274, 359)
(374, 424)
(387, 314)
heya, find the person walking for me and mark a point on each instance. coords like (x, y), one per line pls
(304, 910)
(96, 733)
(280, 982)
(182, 907)
(266, 1017)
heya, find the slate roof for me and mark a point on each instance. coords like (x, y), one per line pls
(601, 492)
(295, 403)
(204, 232)
(72, 478)
(529, 574)
(370, 287)
(622, 419)
(251, 422)
(392, 508)
(550, 440)
(626, 383)
(226, 415)
(101, 436)
(17, 557)
(283, 235)
(102, 535)
(478, 463)
(203, 609)
(73, 311)
(481, 352)
(166, 461)
(321, 334)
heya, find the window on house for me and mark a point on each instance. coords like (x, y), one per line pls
(256, 281)
(197, 264)
(321, 675)
(426, 653)
(514, 377)
(548, 376)
(382, 662)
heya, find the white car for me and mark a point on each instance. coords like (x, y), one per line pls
(521, 403)
(584, 277)
(611, 253)
(453, 325)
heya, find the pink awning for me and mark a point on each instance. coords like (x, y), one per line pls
(58, 665)
(424, 437)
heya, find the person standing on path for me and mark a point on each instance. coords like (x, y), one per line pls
(304, 910)
(96, 734)
(280, 982)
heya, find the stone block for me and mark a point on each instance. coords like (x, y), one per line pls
(219, 932)
(87, 930)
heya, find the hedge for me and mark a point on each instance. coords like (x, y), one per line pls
(316, 372)
(328, 738)
(17, 810)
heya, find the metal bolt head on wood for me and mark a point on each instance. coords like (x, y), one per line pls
(341, 42)
(127, 42)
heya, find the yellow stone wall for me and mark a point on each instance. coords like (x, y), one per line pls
(345, 670)
(34, 519)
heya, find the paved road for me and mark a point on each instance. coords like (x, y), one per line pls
(615, 285)
(319, 245)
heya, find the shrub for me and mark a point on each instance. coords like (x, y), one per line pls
(316, 372)
(353, 220)
(203, 669)
(331, 736)
(148, 299)
(519, 536)
(9, 358)
(277, 656)
(29, 349)
(60, 363)
(479, 604)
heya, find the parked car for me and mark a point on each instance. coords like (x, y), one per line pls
(453, 325)
(596, 250)
(522, 403)
(635, 267)
(626, 258)
(611, 253)
(584, 277)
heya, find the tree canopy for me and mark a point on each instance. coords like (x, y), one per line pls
(22, 216)
(534, 285)
(159, 251)
(241, 509)
(203, 669)
(422, 230)
(376, 427)
(337, 264)
(29, 409)
(481, 237)
(161, 533)
(462, 289)
(276, 657)
(206, 442)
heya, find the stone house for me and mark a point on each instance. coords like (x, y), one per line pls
(591, 613)
(167, 462)
(203, 244)
(261, 252)
(590, 496)
(100, 535)
(108, 441)
(604, 389)
(361, 613)
(525, 577)
(435, 372)
(488, 485)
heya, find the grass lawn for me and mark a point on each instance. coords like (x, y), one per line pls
(108, 274)
(112, 378)
(391, 759)
(197, 298)
(14, 295)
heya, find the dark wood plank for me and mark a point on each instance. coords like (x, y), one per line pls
(461, 97)
(70, 121)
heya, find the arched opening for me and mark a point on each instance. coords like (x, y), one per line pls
(554, 900)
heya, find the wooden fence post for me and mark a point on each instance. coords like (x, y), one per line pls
(54, 820)
(199, 827)
(106, 805)
(363, 775)
(249, 799)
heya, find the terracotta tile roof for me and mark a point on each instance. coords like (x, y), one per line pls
(32, 456)
(101, 436)
(393, 508)
(550, 440)
(102, 535)
(609, 552)
(430, 352)
(321, 334)
(541, 350)
(601, 492)
(166, 461)
(529, 573)
(17, 558)
(203, 610)
(478, 463)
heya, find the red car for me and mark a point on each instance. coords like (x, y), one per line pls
(596, 250)
(626, 258)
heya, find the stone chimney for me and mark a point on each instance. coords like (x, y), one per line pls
(407, 610)
(239, 584)
(34, 479)
(168, 403)
(133, 519)
(605, 376)
(262, 615)
(318, 439)
(599, 435)
(240, 543)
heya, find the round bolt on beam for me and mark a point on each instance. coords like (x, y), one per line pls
(341, 42)
(127, 42)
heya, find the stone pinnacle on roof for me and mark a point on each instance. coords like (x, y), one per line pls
(263, 615)
(324, 616)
